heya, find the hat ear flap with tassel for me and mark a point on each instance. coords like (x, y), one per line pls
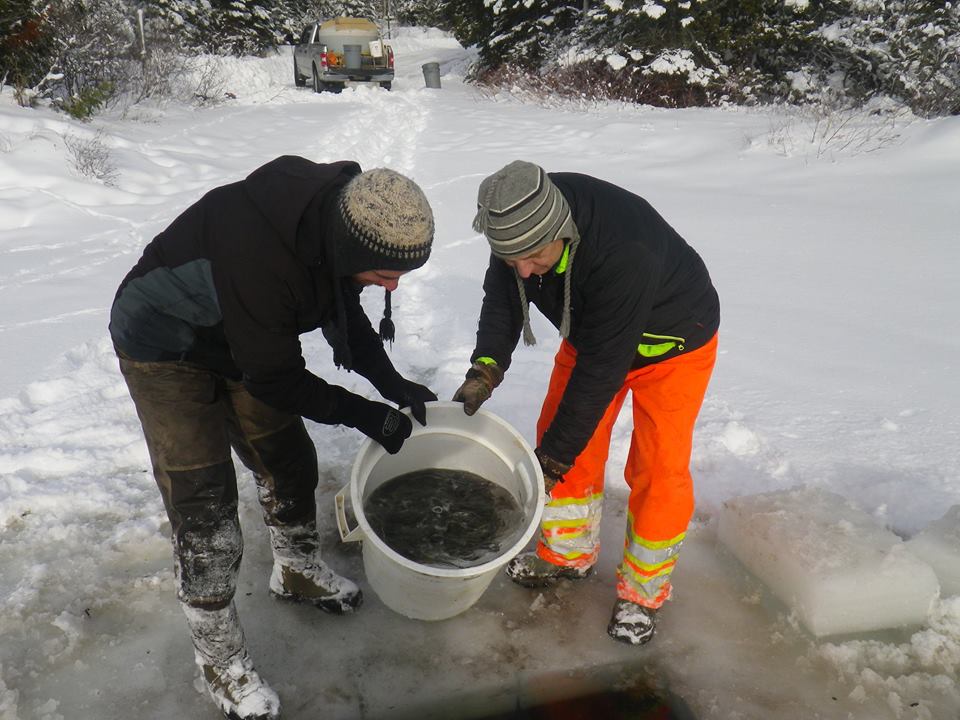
(387, 329)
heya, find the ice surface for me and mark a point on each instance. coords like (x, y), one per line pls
(939, 546)
(830, 562)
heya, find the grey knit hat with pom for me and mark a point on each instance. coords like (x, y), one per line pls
(519, 210)
(389, 220)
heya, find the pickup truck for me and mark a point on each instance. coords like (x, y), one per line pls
(342, 49)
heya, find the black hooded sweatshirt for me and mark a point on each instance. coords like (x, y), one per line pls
(234, 281)
(635, 281)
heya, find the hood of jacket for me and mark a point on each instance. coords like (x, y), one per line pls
(296, 195)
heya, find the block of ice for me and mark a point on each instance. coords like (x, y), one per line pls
(832, 563)
(939, 546)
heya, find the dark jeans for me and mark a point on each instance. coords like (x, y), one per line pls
(191, 418)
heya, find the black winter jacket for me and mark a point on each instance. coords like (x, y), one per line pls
(239, 275)
(635, 282)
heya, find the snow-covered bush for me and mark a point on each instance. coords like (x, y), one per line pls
(674, 52)
(526, 34)
(75, 52)
(668, 52)
(908, 49)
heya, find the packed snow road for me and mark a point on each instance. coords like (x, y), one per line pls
(837, 288)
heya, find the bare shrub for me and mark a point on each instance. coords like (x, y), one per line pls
(24, 96)
(829, 131)
(90, 157)
(209, 81)
(156, 71)
(589, 82)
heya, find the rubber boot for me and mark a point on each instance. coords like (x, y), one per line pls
(530, 570)
(227, 671)
(632, 623)
(300, 575)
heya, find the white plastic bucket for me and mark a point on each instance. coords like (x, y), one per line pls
(483, 444)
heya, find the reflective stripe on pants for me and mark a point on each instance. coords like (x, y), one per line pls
(666, 400)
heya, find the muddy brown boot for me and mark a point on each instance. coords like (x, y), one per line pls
(632, 623)
(530, 570)
(300, 575)
(228, 673)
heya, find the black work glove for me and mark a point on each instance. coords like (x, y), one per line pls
(482, 378)
(407, 393)
(553, 470)
(376, 420)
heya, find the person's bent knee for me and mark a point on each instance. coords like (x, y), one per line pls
(208, 561)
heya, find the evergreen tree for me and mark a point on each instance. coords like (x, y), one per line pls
(425, 13)
(761, 43)
(176, 23)
(525, 33)
(26, 44)
(238, 27)
(908, 49)
(358, 8)
(471, 21)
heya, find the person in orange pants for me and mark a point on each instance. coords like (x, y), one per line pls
(638, 312)
(666, 399)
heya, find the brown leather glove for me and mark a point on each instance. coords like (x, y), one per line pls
(553, 470)
(482, 378)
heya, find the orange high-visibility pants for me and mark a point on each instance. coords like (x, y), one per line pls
(666, 400)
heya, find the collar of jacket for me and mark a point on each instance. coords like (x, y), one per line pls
(561, 266)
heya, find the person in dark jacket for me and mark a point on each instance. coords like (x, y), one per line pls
(637, 312)
(206, 326)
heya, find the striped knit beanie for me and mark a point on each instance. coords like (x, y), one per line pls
(389, 221)
(519, 210)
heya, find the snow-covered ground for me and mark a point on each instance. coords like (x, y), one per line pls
(838, 369)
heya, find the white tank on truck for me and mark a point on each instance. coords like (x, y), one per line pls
(339, 50)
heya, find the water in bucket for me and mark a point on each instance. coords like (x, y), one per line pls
(444, 518)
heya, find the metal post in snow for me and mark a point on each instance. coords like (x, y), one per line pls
(143, 40)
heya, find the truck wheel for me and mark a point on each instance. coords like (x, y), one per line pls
(298, 79)
(321, 86)
(386, 85)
